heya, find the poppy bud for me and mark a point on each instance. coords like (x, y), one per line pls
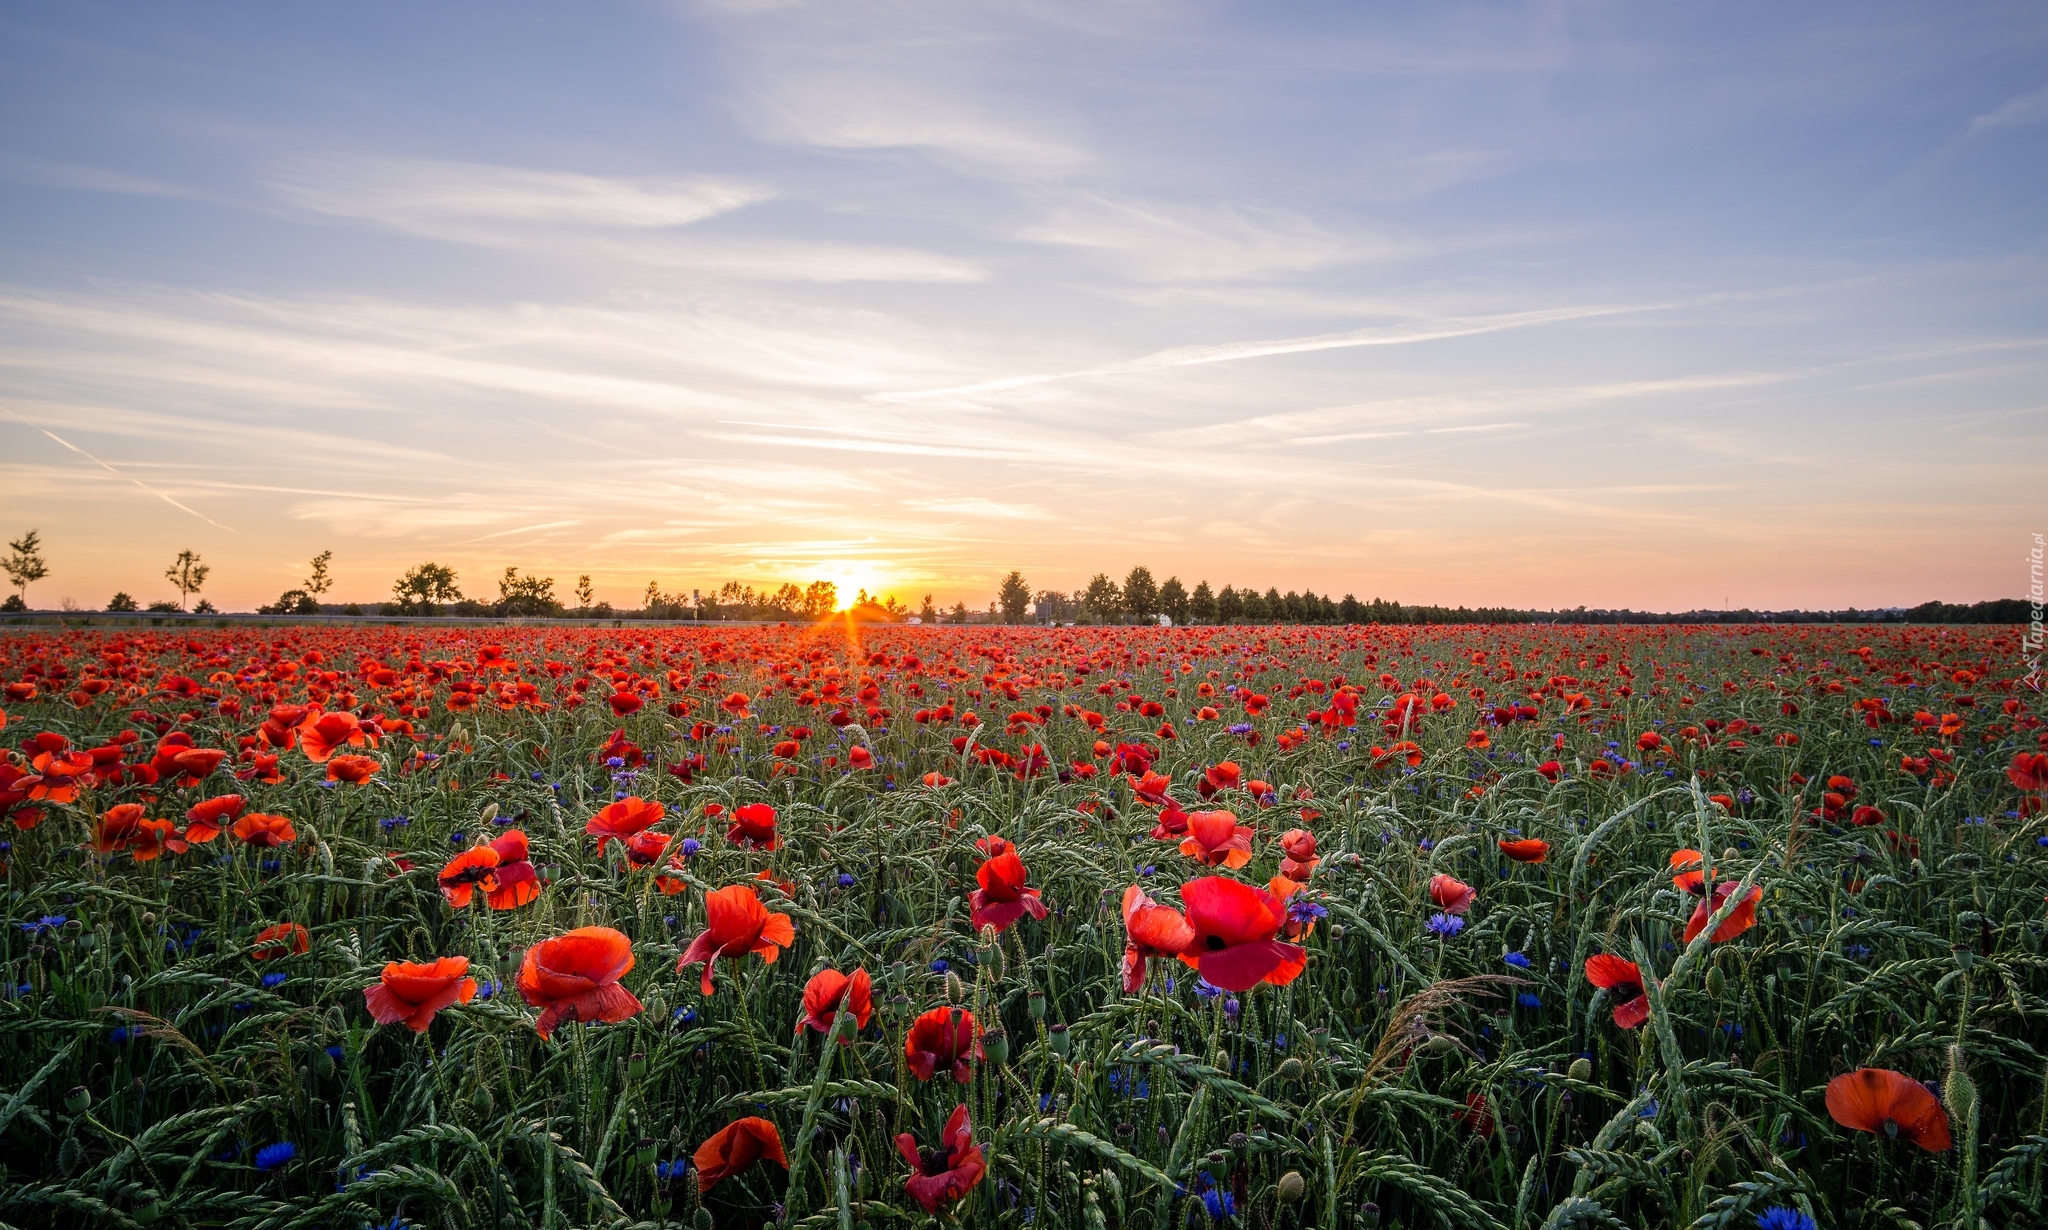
(1291, 1070)
(481, 1100)
(79, 1100)
(1581, 1070)
(489, 813)
(1292, 1187)
(1959, 1091)
(1056, 1037)
(1717, 985)
(953, 988)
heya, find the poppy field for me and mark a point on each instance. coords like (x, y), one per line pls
(844, 925)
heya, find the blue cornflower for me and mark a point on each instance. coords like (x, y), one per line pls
(484, 990)
(270, 1157)
(1445, 925)
(1147, 870)
(48, 922)
(616, 762)
(1231, 1008)
(458, 838)
(335, 1053)
(116, 1035)
(690, 847)
(1518, 960)
(1529, 999)
(1783, 1217)
(1426, 845)
(1219, 1204)
(1306, 912)
(846, 879)
(1206, 989)
(1649, 1111)
(940, 966)
(676, 1169)
(394, 822)
(685, 1015)
(273, 980)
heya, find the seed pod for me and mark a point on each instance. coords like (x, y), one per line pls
(1292, 1187)
(636, 1065)
(1581, 1070)
(1369, 1215)
(79, 1100)
(1056, 1037)
(1034, 1003)
(996, 1045)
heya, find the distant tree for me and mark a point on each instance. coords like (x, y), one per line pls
(1202, 604)
(526, 595)
(26, 565)
(425, 587)
(1053, 607)
(1229, 605)
(291, 602)
(652, 597)
(1276, 605)
(928, 613)
(1102, 599)
(584, 592)
(1014, 596)
(1351, 610)
(188, 574)
(959, 614)
(1141, 595)
(821, 598)
(164, 606)
(1251, 606)
(122, 602)
(319, 582)
(205, 607)
(1173, 600)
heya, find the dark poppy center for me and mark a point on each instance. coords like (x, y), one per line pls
(1214, 943)
(932, 1161)
(1626, 991)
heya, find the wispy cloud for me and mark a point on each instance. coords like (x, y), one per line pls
(438, 198)
(2022, 109)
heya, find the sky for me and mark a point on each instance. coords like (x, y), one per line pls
(1544, 305)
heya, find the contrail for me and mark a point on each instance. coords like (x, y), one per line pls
(118, 474)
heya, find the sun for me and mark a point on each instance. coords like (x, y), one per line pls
(851, 578)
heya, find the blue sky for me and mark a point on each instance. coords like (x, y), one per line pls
(1555, 304)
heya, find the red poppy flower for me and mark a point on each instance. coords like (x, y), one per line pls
(1526, 850)
(413, 992)
(623, 703)
(1881, 1100)
(1550, 770)
(735, 1147)
(1477, 1115)
(1221, 776)
(1300, 848)
(645, 847)
(859, 757)
(179, 762)
(152, 838)
(517, 883)
(1739, 920)
(2029, 772)
(354, 770)
(262, 767)
(736, 704)
(1234, 928)
(620, 820)
(1002, 898)
(1451, 895)
(753, 827)
(1150, 930)
(204, 820)
(116, 827)
(461, 875)
(575, 977)
(1623, 981)
(943, 1038)
(323, 734)
(942, 1175)
(1693, 880)
(822, 996)
(258, 829)
(738, 924)
(1151, 788)
(1216, 839)
(280, 940)
(1173, 822)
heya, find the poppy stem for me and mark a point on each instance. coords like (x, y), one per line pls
(800, 1156)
